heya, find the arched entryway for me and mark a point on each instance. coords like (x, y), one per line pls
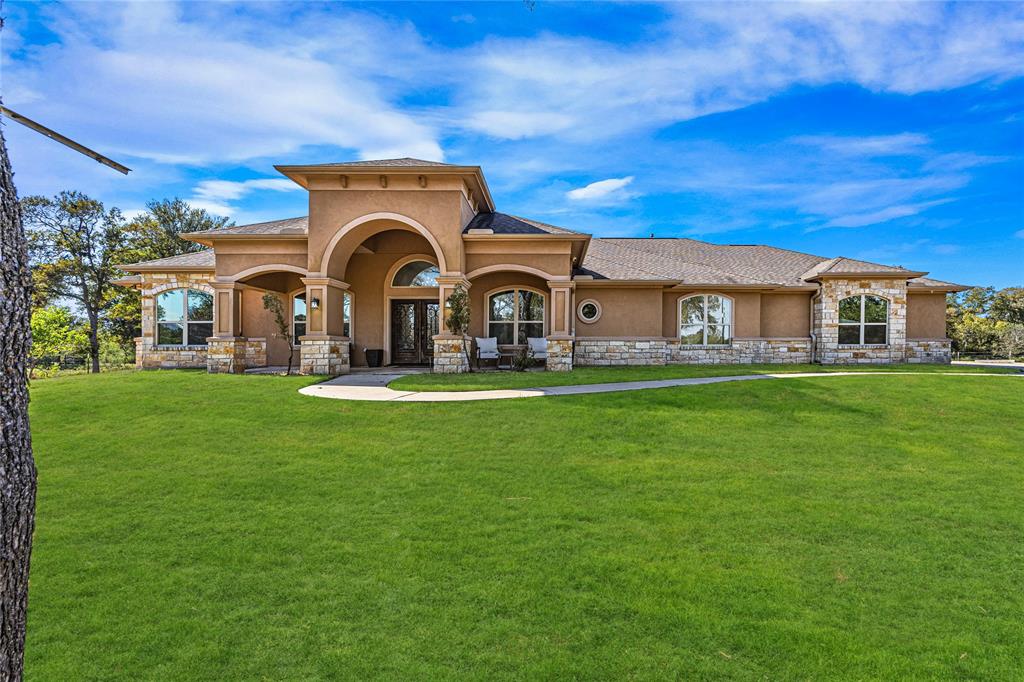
(392, 267)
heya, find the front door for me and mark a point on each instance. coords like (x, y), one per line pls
(413, 327)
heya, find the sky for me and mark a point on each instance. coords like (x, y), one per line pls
(888, 132)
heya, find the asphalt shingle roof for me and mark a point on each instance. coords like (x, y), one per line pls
(298, 225)
(404, 162)
(197, 260)
(502, 223)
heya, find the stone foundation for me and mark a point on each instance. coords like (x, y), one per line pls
(149, 356)
(235, 355)
(606, 352)
(559, 355)
(324, 355)
(934, 351)
(451, 355)
(742, 352)
(609, 352)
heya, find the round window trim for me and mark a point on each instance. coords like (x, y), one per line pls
(583, 318)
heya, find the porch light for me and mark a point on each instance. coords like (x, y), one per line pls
(314, 303)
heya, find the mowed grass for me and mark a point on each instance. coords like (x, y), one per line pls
(490, 379)
(195, 526)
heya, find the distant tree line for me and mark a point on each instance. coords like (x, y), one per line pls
(75, 247)
(984, 321)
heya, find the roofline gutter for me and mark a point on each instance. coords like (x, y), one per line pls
(870, 274)
(137, 267)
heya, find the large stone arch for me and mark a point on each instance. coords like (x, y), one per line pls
(347, 239)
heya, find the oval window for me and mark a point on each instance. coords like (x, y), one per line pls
(589, 311)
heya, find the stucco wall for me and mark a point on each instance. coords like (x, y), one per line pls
(259, 323)
(785, 315)
(236, 256)
(625, 312)
(926, 316)
(440, 212)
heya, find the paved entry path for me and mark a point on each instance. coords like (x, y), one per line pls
(375, 386)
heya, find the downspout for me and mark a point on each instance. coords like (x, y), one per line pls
(814, 337)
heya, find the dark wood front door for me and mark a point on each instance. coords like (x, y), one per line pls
(413, 327)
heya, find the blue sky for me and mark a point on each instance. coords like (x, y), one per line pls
(891, 132)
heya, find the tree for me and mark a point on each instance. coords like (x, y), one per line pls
(76, 245)
(273, 303)
(459, 316)
(157, 232)
(55, 333)
(17, 468)
(1008, 305)
(1011, 340)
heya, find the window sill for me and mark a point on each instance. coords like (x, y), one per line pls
(697, 346)
(854, 346)
(179, 347)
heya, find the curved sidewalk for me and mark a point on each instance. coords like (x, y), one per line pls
(374, 387)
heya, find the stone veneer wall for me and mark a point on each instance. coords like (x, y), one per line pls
(234, 356)
(742, 352)
(148, 355)
(936, 351)
(559, 355)
(324, 355)
(450, 355)
(826, 322)
(592, 352)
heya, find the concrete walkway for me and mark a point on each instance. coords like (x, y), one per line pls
(375, 386)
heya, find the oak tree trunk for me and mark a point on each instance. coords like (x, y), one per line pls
(94, 344)
(17, 470)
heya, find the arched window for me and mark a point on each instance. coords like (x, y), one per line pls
(184, 317)
(417, 273)
(298, 317)
(863, 320)
(515, 315)
(705, 320)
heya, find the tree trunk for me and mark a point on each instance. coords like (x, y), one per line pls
(94, 343)
(17, 469)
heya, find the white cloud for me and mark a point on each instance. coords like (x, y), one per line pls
(216, 195)
(713, 57)
(601, 190)
(884, 215)
(880, 145)
(203, 84)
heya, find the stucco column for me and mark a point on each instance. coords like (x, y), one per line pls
(451, 352)
(227, 309)
(324, 315)
(324, 349)
(560, 337)
(445, 286)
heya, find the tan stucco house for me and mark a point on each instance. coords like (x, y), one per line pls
(385, 243)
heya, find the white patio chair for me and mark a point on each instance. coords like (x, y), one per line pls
(486, 349)
(539, 348)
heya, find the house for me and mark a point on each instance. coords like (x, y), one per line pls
(386, 242)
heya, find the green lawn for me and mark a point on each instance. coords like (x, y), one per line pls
(195, 526)
(479, 381)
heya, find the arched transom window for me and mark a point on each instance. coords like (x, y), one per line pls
(515, 315)
(863, 320)
(417, 273)
(184, 317)
(705, 319)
